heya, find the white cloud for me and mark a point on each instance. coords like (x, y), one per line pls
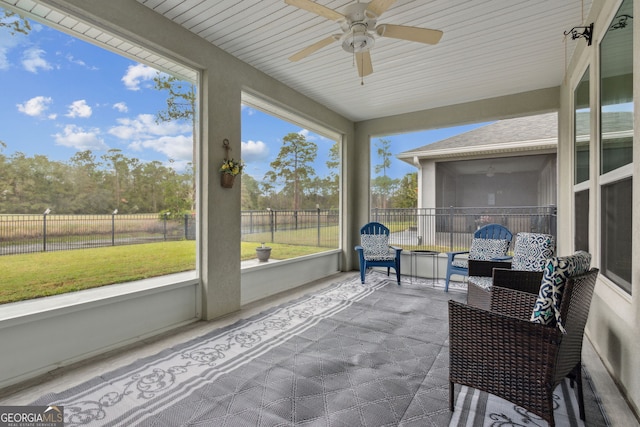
(32, 60)
(174, 139)
(4, 60)
(76, 137)
(80, 62)
(178, 147)
(73, 60)
(254, 151)
(36, 106)
(7, 44)
(79, 108)
(136, 74)
(145, 127)
(245, 108)
(121, 107)
(309, 136)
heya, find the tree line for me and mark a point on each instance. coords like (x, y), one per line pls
(86, 184)
(91, 184)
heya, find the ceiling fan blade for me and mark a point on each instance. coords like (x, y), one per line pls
(312, 48)
(380, 6)
(316, 8)
(414, 34)
(363, 59)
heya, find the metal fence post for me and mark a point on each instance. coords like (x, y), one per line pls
(186, 226)
(113, 227)
(271, 222)
(44, 229)
(318, 209)
(164, 225)
(451, 228)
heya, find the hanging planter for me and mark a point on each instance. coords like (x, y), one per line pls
(226, 180)
(230, 168)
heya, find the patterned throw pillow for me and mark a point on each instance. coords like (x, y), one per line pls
(376, 247)
(487, 249)
(557, 271)
(532, 250)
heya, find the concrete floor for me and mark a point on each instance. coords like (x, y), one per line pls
(61, 379)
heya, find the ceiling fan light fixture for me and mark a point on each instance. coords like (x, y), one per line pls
(357, 40)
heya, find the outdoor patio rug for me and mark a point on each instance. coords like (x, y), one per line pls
(348, 355)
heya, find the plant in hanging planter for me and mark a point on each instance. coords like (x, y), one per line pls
(230, 169)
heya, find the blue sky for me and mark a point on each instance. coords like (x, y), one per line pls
(61, 95)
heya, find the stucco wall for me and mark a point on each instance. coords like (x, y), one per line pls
(614, 318)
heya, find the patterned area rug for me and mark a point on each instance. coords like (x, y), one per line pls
(348, 355)
(476, 408)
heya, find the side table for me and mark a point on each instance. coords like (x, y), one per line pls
(414, 264)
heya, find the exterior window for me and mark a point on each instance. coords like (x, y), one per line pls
(616, 232)
(581, 144)
(582, 129)
(616, 148)
(581, 240)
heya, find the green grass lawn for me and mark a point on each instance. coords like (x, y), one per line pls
(41, 274)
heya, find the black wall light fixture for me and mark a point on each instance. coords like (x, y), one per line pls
(586, 33)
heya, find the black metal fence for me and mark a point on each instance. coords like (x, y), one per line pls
(47, 232)
(448, 229)
(442, 229)
(313, 227)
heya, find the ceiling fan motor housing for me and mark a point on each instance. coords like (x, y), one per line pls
(356, 37)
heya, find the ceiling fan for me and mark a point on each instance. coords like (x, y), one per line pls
(358, 22)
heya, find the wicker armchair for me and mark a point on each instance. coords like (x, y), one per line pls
(503, 353)
(501, 275)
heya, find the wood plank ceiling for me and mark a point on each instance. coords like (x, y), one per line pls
(490, 48)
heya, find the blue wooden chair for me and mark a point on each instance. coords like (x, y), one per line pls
(374, 250)
(489, 243)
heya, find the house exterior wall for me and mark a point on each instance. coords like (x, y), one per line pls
(614, 319)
